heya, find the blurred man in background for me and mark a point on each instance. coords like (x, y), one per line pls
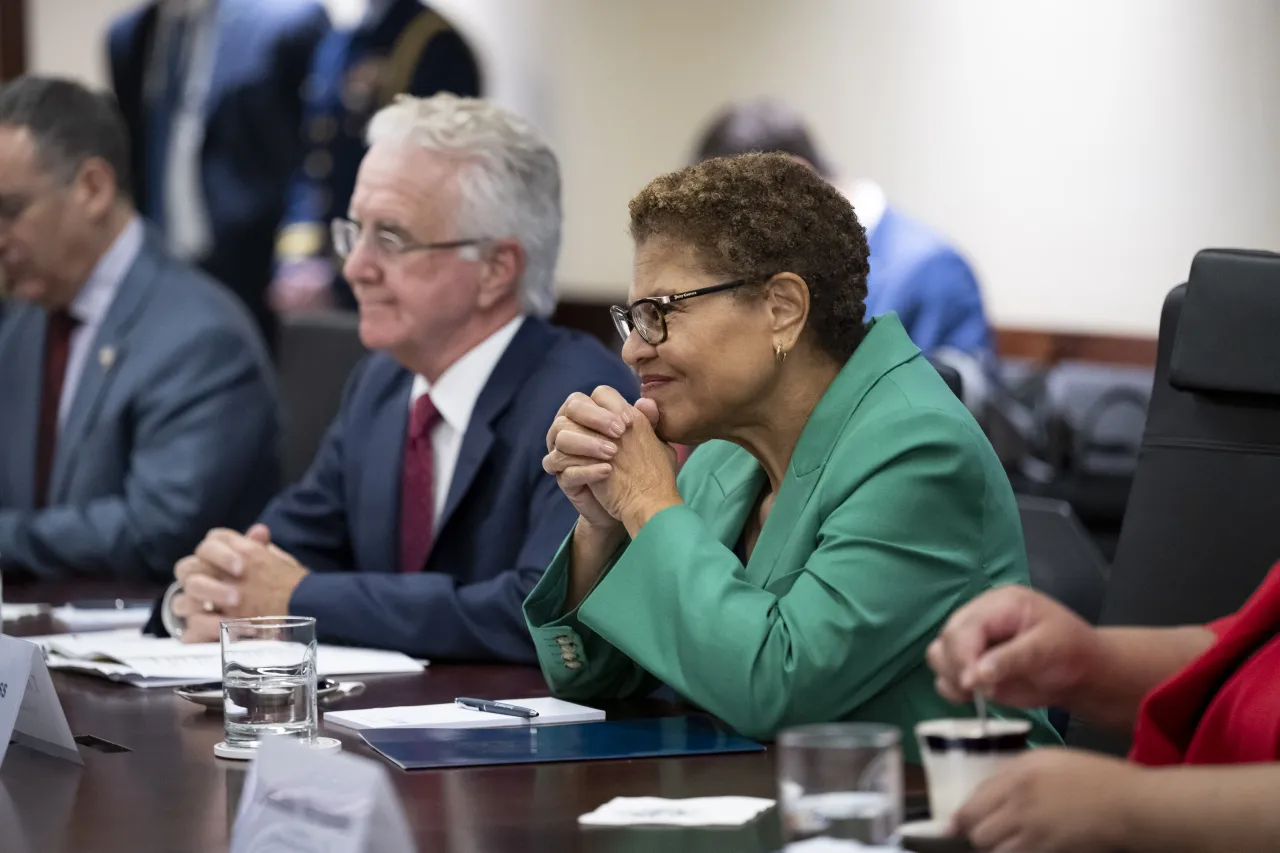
(211, 91)
(136, 401)
(427, 517)
(397, 46)
(914, 271)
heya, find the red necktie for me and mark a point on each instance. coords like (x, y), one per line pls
(57, 347)
(417, 487)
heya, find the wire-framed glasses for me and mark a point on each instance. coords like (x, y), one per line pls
(386, 243)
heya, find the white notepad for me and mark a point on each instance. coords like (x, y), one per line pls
(450, 716)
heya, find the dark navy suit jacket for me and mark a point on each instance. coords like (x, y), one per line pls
(252, 140)
(503, 520)
(919, 275)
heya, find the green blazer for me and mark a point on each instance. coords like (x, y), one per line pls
(894, 512)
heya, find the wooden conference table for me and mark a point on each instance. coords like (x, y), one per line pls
(169, 793)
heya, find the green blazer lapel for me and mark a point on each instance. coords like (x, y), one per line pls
(740, 479)
(885, 346)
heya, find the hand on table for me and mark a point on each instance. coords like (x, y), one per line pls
(607, 458)
(236, 575)
(1018, 647)
(1052, 801)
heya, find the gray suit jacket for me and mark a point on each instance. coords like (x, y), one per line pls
(174, 429)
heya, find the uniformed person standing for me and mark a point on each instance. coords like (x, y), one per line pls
(398, 46)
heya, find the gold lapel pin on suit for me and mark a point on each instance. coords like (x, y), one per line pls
(107, 357)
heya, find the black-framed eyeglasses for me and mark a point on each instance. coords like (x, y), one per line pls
(346, 234)
(648, 316)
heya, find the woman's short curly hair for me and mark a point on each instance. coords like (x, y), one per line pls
(755, 215)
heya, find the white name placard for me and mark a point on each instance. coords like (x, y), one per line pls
(30, 713)
(318, 802)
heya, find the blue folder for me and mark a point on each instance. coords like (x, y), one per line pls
(424, 748)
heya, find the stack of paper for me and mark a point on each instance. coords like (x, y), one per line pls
(550, 711)
(130, 657)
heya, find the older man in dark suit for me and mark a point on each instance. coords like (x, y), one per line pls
(426, 517)
(136, 400)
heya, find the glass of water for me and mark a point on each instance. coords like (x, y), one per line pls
(269, 679)
(840, 781)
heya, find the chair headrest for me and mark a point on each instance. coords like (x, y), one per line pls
(1228, 336)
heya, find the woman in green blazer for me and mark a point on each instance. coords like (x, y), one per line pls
(841, 504)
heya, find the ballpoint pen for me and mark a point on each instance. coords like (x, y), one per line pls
(495, 707)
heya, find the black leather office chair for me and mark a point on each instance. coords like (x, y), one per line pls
(949, 375)
(317, 353)
(1065, 564)
(1062, 557)
(1200, 529)
(1201, 526)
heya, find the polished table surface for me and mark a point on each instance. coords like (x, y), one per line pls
(169, 793)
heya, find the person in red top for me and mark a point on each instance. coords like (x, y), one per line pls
(1204, 701)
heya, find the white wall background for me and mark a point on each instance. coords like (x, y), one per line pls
(68, 36)
(1078, 151)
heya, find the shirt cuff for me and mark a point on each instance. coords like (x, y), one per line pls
(173, 623)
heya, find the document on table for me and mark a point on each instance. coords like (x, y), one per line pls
(422, 748)
(130, 657)
(450, 716)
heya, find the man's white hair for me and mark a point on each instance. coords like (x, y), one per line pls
(509, 182)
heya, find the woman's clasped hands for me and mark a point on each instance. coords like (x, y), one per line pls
(609, 461)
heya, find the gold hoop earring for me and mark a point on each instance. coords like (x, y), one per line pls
(779, 354)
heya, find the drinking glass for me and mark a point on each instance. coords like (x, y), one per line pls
(269, 679)
(840, 780)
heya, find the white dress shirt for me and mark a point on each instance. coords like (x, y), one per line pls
(186, 215)
(455, 394)
(92, 303)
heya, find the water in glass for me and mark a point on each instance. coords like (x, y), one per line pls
(840, 781)
(255, 704)
(269, 679)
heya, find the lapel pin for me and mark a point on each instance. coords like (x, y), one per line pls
(107, 357)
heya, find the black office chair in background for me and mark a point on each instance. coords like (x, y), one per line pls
(1064, 563)
(949, 374)
(1202, 525)
(316, 354)
(1063, 560)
